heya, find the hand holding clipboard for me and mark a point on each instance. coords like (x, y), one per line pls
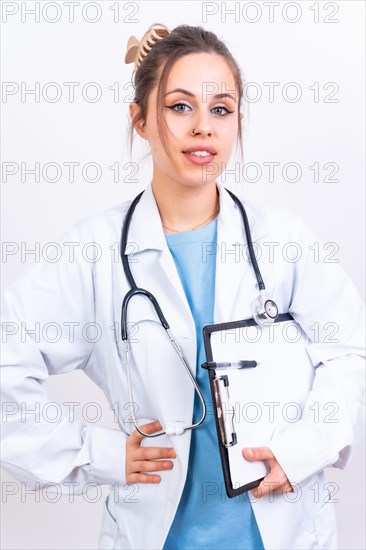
(247, 374)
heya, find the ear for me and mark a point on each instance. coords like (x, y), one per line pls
(241, 116)
(140, 125)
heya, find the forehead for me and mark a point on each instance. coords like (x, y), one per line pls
(201, 71)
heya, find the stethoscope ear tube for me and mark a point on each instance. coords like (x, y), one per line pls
(248, 235)
(126, 226)
(265, 312)
(127, 298)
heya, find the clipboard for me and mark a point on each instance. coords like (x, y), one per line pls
(243, 361)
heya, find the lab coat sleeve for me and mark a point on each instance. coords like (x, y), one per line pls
(326, 304)
(44, 315)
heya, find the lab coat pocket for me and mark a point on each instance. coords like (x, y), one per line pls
(109, 530)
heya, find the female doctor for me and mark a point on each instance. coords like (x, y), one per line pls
(166, 491)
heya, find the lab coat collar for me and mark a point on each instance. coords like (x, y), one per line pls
(146, 231)
(232, 269)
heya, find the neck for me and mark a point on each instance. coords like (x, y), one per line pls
(183, 208)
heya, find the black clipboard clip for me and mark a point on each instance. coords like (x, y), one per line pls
(224, 409)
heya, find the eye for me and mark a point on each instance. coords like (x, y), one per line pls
(217, 110)
(178, 107)
(220, 110)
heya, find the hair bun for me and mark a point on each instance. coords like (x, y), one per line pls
(138, 50)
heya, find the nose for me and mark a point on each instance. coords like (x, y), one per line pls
(202, 125)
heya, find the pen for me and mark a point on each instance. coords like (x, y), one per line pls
(234, 365)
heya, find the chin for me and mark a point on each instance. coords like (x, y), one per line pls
(198, 183)
(200, 178)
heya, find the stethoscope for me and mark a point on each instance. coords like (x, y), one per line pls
(264, 313)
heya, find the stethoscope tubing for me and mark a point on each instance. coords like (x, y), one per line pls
(135, 290)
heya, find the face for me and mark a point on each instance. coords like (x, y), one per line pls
(200, 95)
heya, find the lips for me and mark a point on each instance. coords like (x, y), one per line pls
(200, 148)
(200, 154)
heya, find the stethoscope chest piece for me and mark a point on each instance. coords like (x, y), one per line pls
(264, 312)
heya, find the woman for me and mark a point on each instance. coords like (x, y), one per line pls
(167, 492)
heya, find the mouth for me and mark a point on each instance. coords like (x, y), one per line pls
(200, 154)
(201, 150)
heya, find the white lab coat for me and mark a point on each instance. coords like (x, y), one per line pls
(84, 291)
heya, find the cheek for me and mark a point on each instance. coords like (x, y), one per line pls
(176, 126)
(155, 143)
(157, 150)
(230, 134)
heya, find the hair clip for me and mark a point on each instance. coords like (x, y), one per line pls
(137, 50)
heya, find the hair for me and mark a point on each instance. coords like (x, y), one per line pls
(182, 41)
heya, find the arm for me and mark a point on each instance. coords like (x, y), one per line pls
(323, 294)
(40, 310)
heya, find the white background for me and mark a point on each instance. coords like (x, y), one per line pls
(310, 52)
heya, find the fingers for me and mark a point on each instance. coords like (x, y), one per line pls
(143, 478)
(257, 453)
(153, 453)
(264, 488)
(152, 465)
(260, 491)
(135, 438)
(139, 467)
(287, 488)
(140, 460)
(276, 480)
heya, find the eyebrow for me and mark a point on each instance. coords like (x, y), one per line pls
(186, 92)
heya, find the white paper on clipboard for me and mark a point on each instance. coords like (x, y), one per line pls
(260, 395)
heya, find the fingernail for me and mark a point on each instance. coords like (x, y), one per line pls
(168, 465)
(249, 453)
(172, 454)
